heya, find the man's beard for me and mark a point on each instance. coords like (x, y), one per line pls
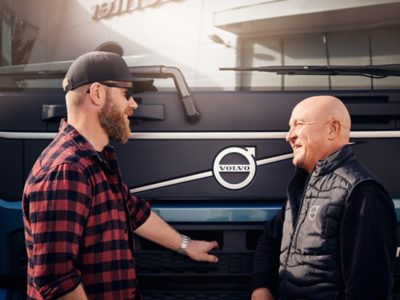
(115, 122)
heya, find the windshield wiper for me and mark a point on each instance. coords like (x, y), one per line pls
(377, 71)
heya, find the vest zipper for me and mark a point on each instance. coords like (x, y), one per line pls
(295, 233)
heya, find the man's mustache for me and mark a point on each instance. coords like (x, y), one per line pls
(129, 111)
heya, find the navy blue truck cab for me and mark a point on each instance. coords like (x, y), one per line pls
(214, 164)
(208, 146)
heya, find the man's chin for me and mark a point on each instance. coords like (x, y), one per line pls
(124, 141)
(125, 137)
(121, 140)
(297, 162)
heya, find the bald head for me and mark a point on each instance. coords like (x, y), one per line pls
(326, 108)
(319, 126)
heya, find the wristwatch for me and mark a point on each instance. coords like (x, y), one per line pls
(184, 243)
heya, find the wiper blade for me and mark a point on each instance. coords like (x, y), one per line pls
(377, 71)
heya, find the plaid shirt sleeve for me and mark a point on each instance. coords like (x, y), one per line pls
(58, 207)
(139, 209)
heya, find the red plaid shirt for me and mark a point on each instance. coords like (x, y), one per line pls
(75, 222)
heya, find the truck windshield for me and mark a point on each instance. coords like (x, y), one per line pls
(200, 37)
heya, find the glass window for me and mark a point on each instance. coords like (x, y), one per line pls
(341, 48)
(38, 35)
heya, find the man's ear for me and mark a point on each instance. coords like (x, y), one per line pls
(334, 129)
(96, 94)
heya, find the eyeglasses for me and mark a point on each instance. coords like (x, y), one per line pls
(128, 89)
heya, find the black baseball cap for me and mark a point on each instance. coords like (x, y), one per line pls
(98, 66)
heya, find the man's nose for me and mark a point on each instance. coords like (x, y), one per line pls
(132, 103)
(290, 135)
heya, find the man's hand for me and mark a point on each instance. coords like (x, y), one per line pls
(198, 250)
(157, 230)
(262, 294)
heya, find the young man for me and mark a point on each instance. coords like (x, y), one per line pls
(79, 216)
(335, 237)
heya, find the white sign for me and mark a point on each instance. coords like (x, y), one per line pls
(112, 8)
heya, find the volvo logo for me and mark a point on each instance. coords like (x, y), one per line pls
(313, 212)
(234, 168)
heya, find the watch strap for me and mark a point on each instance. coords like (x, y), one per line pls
(184, 243)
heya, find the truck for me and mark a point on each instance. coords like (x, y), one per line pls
(207, 150)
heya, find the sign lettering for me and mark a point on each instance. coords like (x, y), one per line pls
(111, 8)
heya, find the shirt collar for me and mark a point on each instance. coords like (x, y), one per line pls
(83, 144)
(334, 160)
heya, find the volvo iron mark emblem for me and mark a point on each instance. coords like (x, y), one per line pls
(234, 168)
(313, 212)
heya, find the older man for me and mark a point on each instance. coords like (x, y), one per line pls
(335, 237)
(79, 216)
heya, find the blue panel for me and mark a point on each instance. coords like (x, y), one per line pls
(11, 220)
(216, 213)
(397, 206)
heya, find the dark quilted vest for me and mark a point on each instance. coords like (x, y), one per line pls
(309, 261)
